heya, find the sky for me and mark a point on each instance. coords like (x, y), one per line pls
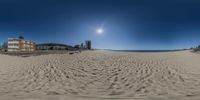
(126, 24)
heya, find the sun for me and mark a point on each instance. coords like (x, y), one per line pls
(99, 30)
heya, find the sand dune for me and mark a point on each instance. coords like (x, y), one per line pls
(101, 75)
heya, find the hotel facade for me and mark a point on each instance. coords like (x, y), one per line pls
(17, 44)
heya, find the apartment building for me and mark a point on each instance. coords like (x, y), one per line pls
(88, 44)
(19, 44)
(53, 46)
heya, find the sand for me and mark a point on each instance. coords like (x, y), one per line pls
(101, 75)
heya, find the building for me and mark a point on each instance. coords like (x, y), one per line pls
(82, 46)
(19, 44)
(77, 46)
(52, 46)
(88, 44)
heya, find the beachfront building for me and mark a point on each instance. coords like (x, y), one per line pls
(20, 44)
(53, 46)
(82, 46)
(88, 44)
(77, 46)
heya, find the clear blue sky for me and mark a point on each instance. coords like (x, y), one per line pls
(127, 24)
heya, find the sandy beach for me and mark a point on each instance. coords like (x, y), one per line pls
(101, 75)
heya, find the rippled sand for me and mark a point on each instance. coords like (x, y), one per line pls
(96, 75)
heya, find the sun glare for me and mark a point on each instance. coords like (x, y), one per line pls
(99, 31)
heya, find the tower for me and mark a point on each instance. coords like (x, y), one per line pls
(88, 44)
